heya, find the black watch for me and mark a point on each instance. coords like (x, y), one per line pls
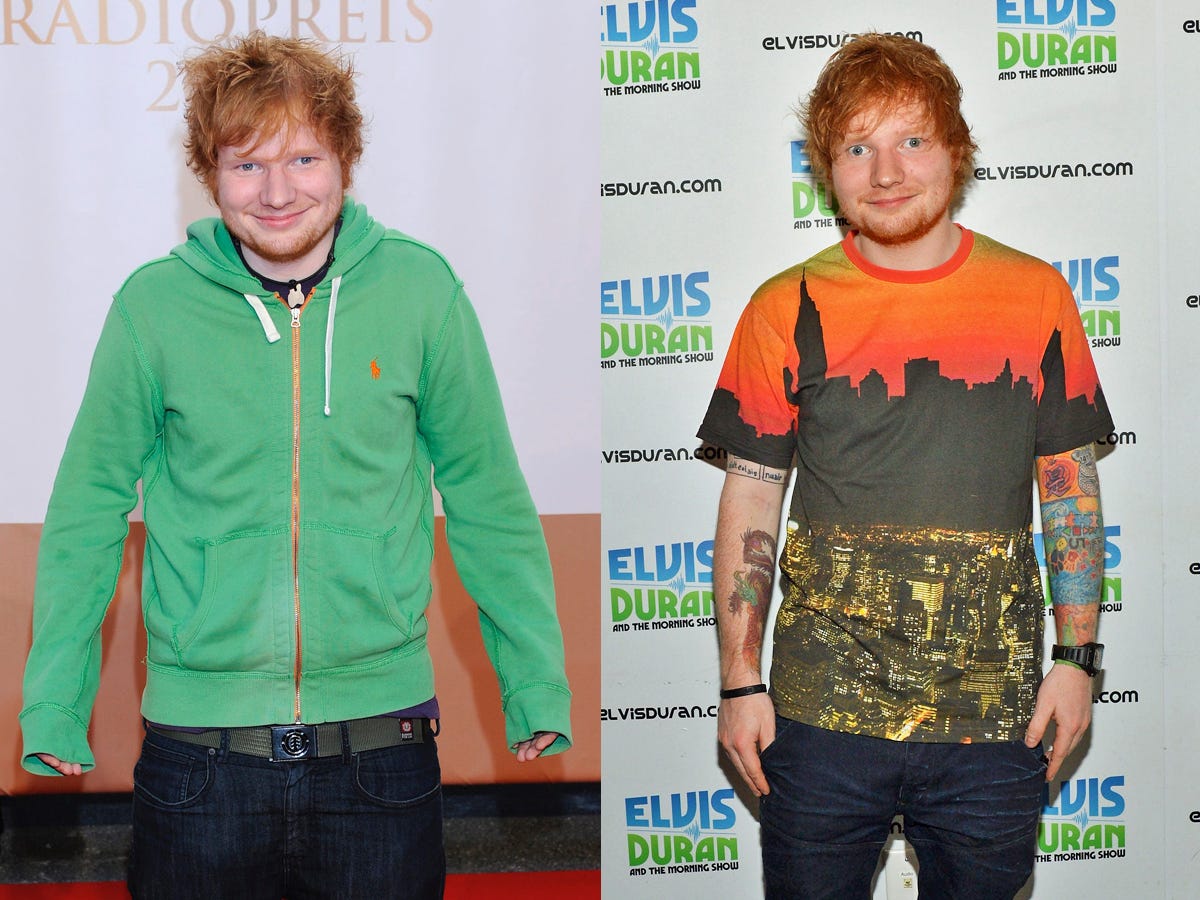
(1086, 656)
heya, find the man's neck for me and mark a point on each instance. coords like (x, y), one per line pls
(292, 269)
(929, 251)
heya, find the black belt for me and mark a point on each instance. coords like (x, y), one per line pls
(285, 743)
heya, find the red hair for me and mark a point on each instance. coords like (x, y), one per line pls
(254, 87)
(877, 74)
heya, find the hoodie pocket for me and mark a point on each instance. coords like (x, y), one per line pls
(352, 614)
(242, 621)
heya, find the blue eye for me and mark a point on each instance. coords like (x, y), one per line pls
(914, 142)
(856, 150)
(306, 160)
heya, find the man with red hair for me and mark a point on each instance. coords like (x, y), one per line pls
(287, 386)
(917, 373)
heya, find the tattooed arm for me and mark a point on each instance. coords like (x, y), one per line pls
(743, 572)
(1073, 530)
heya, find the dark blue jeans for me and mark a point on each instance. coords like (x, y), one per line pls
(210, 823)
(970, 813)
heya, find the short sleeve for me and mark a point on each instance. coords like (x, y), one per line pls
(1072, 410)
(750, 415)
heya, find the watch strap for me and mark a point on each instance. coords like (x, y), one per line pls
(1086, 656)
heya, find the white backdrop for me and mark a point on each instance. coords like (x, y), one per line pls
(1085, 162)
(483, 142)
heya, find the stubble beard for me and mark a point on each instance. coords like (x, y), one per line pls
(905, 232)
(285, 248)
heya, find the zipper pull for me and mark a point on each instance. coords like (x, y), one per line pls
(295, 297)
(296, 317)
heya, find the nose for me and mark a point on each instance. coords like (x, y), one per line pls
(277, 190)
(888, 169)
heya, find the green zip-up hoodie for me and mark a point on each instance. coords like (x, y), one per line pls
(286, 476)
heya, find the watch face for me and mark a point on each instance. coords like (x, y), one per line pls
(1097, 656)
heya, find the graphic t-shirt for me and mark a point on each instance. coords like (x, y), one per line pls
(914, 404)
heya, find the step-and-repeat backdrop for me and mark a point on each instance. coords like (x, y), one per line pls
(1086, 113)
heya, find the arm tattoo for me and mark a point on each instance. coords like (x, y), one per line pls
(1088, 479)
(1071, 475)
(752, 589)
(1076, 624)
(1073, 530)
(1074, 539)
(757, 471)
(1058, 475)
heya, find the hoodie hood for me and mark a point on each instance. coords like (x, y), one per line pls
(210, 252)
(209, 249)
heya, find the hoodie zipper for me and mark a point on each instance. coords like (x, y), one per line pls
(295, 311)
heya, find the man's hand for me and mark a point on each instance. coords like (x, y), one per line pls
(63, 768)
(745, 728)
(1066, 697)
(532, 748)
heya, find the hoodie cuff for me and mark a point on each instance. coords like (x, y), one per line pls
(538, 707)
(49, 728)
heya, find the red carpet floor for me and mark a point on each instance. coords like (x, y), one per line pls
(477, 886)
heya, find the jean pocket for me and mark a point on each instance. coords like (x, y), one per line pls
(1038, 755)
(398, 777)
(782, 727)
(169, 779)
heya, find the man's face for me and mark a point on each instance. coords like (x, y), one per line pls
(894, 180)
(281, 200)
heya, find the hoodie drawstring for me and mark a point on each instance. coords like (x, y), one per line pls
(264, 318)
(337, 283)
(272, 332)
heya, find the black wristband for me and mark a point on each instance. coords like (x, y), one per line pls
(744, 691)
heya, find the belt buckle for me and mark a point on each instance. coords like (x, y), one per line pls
(293, 742)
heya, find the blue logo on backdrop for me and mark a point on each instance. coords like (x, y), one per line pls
(1055, 38)
(663, 586)
(648, 47)
(668, 834)
(655, 320)
(1084, 822)
(813, 203)
(1096, 287)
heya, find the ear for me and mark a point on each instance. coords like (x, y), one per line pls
(956, 159)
